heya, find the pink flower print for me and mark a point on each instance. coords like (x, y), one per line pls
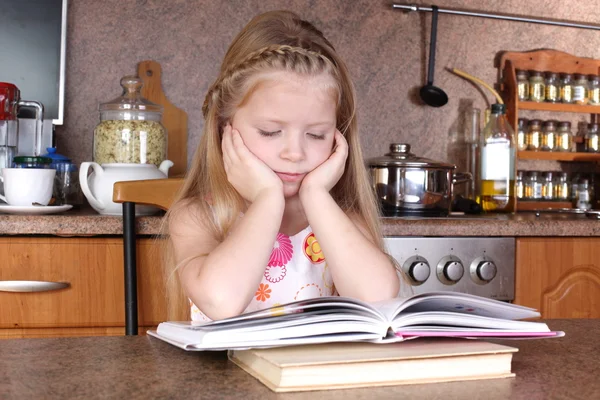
(282, 251)
(275, 273)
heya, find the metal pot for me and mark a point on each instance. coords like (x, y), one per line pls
(409, 185)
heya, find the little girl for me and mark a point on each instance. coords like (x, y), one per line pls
(277, 205)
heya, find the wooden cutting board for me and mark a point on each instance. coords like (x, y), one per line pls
(174, 119)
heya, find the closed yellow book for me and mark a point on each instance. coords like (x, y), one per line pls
(353, 365)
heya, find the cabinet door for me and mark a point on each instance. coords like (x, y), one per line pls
(559, 276)
(93, 268)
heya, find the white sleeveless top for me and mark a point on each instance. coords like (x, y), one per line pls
(297, 270)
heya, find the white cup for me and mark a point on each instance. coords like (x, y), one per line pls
(25, 186)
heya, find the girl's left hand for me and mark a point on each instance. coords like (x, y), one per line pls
(326, 175)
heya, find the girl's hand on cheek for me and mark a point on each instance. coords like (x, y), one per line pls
(246, 173)
(326, 175)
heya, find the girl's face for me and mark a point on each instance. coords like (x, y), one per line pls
(289, 123)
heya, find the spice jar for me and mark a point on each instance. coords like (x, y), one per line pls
(533, 186)
(537, 87)
(520, 186)
(534, 135)
(548, 142)
(566, 88)
(562, 187)
(580, 89)
(547, 186)
(592, 144)
(522, 134)
(583, 200)
(574, 186)
(130, 130)
(552, 82)
(564, 137)
(594, 89)
(522, 85)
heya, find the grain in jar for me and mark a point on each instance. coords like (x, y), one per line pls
(534, 135)
(548, 142)
(562, 187)
(566, 88)
(591, 139)
(580, 89)
(537, 87)
(547, 186)
(520, 186)
(533, 186)
(522, 84)
(552, 82)
(522, 134)
(594, 89)
(564, 137)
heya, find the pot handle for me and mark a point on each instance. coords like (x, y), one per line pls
(461, 177)
(83, 182)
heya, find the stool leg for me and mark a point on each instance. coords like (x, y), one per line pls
(131, 312)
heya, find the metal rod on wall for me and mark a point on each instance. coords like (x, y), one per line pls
(414, 7)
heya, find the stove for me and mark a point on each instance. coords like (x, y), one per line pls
(483, 266)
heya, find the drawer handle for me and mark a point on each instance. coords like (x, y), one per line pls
(31, 286)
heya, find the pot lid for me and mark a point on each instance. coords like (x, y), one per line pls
(400, 156)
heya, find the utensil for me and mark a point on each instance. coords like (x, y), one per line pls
(409, 185)
(433, 95)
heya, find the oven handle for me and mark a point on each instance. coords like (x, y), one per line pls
(32, 286)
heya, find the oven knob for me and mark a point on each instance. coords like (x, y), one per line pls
(417, 269)
(483, 270)
(486, 270)
(450, 270)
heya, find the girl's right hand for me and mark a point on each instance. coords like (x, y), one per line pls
(246, 173)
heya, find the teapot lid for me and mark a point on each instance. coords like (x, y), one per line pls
(400, 156)
(131, 101)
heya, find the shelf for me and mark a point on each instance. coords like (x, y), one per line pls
(558, 107)
(557, 156)
(524, 205)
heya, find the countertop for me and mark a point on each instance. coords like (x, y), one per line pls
(86, 222)
(144, 367)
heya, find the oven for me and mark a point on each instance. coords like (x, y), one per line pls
(482, 266)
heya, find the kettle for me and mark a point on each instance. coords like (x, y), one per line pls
(98, 186)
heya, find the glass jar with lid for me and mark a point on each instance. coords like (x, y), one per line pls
(32, 162)
(594, 89)
(548, 136)
(537, 87)
(522, 84)
(520, 186)
(548, 186)
(566, 88)
(564, 137)
(534, 135)
(583, 200)
(562, 187)
(552, 82)
(130, 129)
(592, 143)
(522, 134)
(580, 89)
(533, 186)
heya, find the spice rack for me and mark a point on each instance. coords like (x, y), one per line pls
(553, 61)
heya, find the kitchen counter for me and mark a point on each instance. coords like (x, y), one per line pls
(144, 367)
(86, 222)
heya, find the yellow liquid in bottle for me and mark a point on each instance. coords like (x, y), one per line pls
(497, 197)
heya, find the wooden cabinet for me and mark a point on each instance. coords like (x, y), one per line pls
(559, 276)
(94, 301)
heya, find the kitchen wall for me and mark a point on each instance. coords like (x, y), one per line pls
(386, 51)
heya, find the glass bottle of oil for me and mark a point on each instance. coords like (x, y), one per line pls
(497, 164)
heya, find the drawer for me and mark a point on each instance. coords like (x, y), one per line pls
(93, 269)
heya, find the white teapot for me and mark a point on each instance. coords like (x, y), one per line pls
(98, 187)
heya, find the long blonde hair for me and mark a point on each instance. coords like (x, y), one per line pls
(273, 41)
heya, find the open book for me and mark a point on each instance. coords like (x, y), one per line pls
(342, 319)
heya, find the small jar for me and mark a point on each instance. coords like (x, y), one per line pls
(584, 198)
(533, 186)
(548, 136)
(552, 82)
(547, 186)
(522, 134)
(32, 162)
(537, 87)
(574, 186)
(562, 187)
(522, 85)
(580, 89)
(592, 144)
(564, 137)
(594, 89)
(534, 135)
(520, 186)
(566, 88)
